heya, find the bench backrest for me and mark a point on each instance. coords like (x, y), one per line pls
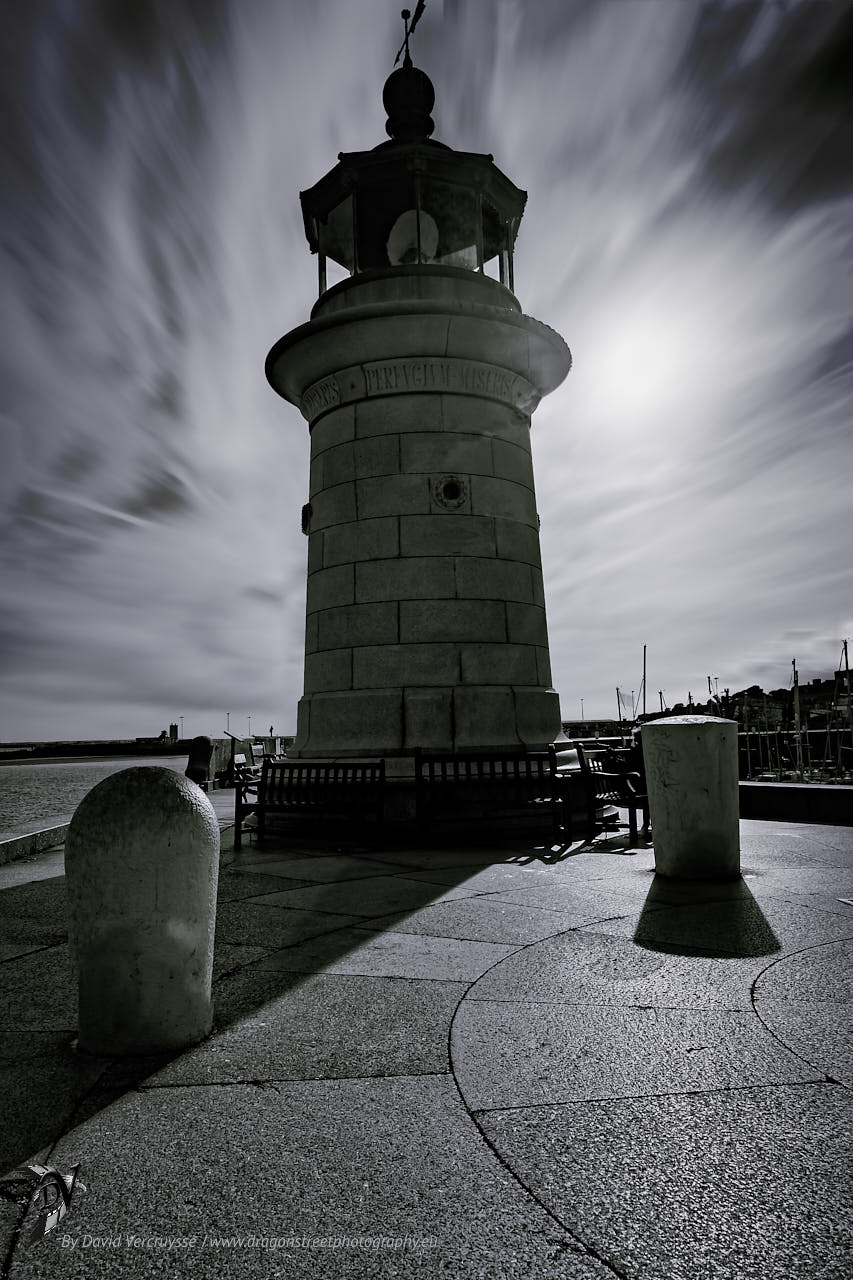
(294, 783)
(479, 767)
(609, 787)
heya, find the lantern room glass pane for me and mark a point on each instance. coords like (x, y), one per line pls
(453, 212)
(335, 235)
(335, 273)
(388, 228)
(495, 239)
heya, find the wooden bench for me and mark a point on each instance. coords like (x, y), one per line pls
(243, 770)
(612, 786)
(575, 792)
(323, 791)
(521, 787)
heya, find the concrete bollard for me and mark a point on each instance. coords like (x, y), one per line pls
(692, 775)
(141, 867)
(198, 764)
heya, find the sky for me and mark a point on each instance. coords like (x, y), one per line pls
(689, 231)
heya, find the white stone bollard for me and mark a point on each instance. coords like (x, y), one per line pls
(692, 775)
(141, 867)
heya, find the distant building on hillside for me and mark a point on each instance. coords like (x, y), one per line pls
(823, 703)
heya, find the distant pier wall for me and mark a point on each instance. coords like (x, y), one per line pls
(813, 802)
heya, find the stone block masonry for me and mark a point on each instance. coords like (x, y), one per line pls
(425, 622)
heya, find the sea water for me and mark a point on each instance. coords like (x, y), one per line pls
(44, 794)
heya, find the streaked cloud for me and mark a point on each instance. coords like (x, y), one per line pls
(689, 231)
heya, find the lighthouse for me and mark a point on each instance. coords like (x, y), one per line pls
(417, 375)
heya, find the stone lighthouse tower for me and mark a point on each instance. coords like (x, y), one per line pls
(417, 376)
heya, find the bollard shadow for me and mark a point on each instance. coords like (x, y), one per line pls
(715, 918)
(301, 906)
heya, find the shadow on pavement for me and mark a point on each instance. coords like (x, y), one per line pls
(716, 918)
(307, 904)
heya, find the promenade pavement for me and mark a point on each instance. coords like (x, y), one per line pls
(504, 1061)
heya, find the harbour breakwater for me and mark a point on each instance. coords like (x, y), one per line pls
(100, 748)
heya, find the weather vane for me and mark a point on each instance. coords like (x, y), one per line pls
(405, 15)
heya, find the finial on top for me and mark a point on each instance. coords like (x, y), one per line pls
(408, 94)
(404, 47)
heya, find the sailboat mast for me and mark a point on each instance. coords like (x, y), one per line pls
(644, 682)
(797, 735)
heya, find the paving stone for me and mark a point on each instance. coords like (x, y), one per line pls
(486, 919)
(585, 967)
(38, 992)
(364, 1160)
(822, 974)
(375, 896)
(820, 888)
(328, 1025)
(510, 1054)
(389, 954)
(45, 902)
(583, 906)
(27, 945)
(794, 844)
(24, 935)
(712, 1186)
(805, 1001)
(310, 869)
(40, 1087)
(821, 1034)
(260, 925)
(587, 901)
(9, 1217)
(498, 878)
(19, 1046)
(626, 870)
(33, 915)
(41, 866)
(441, 857)
(247, 884)
(738, 926)
(227, 957)
(662, 891)
(293, 839)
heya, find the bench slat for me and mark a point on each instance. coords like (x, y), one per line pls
(488, 785)
(320, 789)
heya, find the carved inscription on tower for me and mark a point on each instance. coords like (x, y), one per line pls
(397, 377)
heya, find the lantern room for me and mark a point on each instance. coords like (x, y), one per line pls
(412, 201)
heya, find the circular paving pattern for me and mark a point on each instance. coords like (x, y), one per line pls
(797, 999)
(679, 1112)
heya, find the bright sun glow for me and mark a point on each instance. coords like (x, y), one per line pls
(643, 366)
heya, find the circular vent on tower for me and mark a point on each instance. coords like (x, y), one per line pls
(450, 492)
